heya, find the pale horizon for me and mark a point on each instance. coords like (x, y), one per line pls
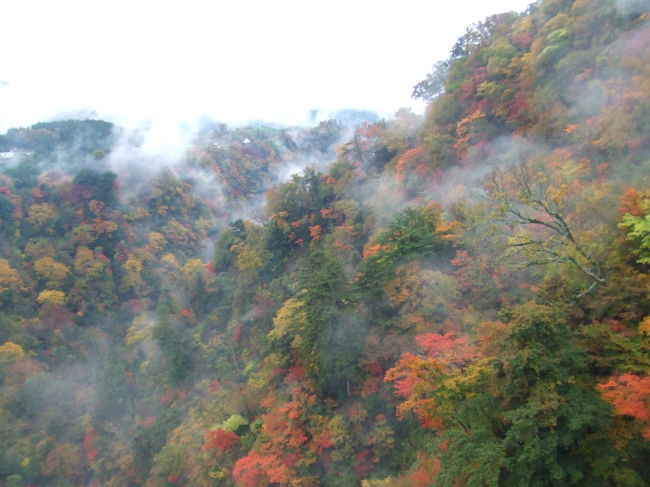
(165, 63)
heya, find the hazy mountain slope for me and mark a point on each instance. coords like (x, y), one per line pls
(459, 299)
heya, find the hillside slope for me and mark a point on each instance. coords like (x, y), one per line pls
(455, 299)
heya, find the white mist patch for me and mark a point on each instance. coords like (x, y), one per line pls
(633, 7)
(384, 195)
(465, 180)
(235, 61)
(152, 144)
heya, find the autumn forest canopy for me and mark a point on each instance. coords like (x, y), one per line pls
(455, 299)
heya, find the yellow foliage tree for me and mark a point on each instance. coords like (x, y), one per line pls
(290, 318)
(97, 207)
(132, 278)
(192, 272)
(644, 327)
(86, 264)
(178, 234)
(52, 271)
(425, 292)
(156, 241)
(11, 352)
(249, 260)
(64, 461)
(170, 261)
(51, 297)
(37, 248)
(9, 279)
(41, 213)
(192, 268)
(83, 235)
(141, 329)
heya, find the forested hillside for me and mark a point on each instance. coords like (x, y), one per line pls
(458, 299)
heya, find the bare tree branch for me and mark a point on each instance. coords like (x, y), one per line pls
(526, 199)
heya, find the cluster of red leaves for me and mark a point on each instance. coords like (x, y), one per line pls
(249, 470)
(425, 472)
(370, 386)
(135, 306)
(295, 373)
(630, 203)
(630, 395)
(91, 451)
(75, 194)
(315, 232)
(238, 333)
(411, 160)
(404, 374)
(322, 442)
(281, 425)
(330, 213)
(173, 479)
(220, 440)
(447, 347)
(363, 464)
(375, 369)
(256, 469)
(148, 421)
(275, 460)
(172, 394)
(518, 108)
(55, 317)
(373, 250)
(469, 87)
(415, 378)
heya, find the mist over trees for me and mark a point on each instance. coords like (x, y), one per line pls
(457, 299)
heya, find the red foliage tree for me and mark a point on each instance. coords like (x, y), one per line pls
(447, 347)
(91, 451)
(630, 396)
(220, 440)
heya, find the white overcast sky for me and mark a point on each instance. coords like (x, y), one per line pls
(270, 60)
